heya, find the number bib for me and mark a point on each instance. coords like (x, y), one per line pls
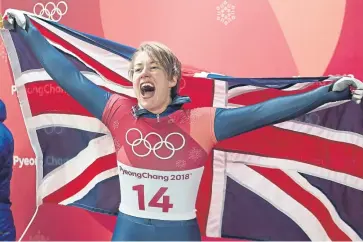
(154, 194)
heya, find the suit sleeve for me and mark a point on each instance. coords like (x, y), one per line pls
(116, 108)
(231, 122)
(67, 76)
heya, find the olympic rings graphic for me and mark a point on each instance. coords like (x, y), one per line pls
(45, 12)
(157, 146)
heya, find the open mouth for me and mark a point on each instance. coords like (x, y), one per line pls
(147, 89)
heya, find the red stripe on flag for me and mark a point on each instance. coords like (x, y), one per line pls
(254, 97)
(109, 74)
(200, 91)
(48, 97)
(101, 164)
(285, 144)
(305, 198)
(205, 195)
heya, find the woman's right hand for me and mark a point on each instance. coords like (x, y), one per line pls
(12, 15)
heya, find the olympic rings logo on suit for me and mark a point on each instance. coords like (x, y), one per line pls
(157, 146)
(45, 12)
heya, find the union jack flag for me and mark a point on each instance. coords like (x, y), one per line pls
(297, 180)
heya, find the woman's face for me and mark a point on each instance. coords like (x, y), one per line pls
(151, 84)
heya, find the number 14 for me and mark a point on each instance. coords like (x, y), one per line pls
(154, 202)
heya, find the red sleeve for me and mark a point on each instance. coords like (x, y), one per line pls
(202, 127)
(116, 107)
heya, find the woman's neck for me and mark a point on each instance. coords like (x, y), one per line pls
(161, 108)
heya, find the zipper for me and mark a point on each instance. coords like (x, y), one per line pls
(157, 116)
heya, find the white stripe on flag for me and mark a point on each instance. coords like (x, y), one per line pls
(214, 223)
(258, 184)
(112, 61)
(85, 190)
(215, 215)
(79, 122)
(323, 132)
(323, 199)
(220, 92)
(67, 172)
(319, 131)
(322, 107)
(25, 108)
(243, 90)
(329, 105)
(201, 74)
(246, 89)
(284, 164)
(41, 75)
(298, 86)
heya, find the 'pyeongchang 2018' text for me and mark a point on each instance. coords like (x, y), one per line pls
(147, 175)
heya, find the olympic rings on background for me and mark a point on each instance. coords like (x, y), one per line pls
(56, 10)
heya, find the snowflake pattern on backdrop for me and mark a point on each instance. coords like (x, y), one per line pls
(39, 237)
(225, 13)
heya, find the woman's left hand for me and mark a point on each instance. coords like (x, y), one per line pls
(349, 81)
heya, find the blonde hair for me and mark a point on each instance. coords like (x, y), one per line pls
(165, 57)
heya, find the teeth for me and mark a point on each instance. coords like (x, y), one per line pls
(147, 84)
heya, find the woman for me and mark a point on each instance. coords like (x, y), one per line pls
(161, 147)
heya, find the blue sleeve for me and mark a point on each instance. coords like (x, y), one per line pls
(231, 122)
(61, 70)
(6, 164)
